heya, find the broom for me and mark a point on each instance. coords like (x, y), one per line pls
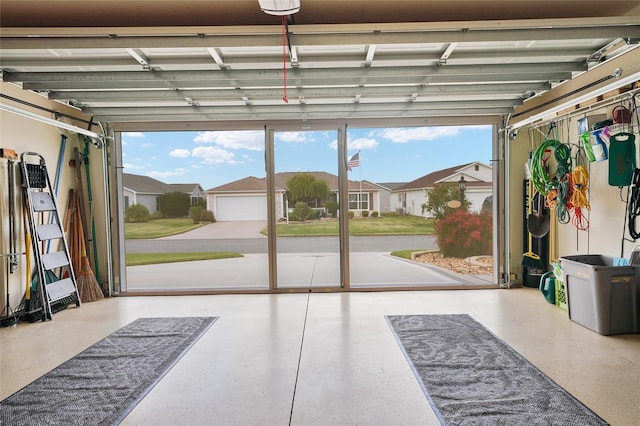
(88, 286)
(530, 259)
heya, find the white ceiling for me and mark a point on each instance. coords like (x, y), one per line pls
(417, 73)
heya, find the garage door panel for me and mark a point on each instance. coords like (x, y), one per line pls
(241, 208)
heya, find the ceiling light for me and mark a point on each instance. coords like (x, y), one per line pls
(280, 7)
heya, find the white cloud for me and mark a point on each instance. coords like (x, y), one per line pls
(293, 137)
(133, 134)
(359, 143)
(132, 166)
(160, 175)
(362, 143)
(409, 134)
(251, 140)
(180, 153)
(213, 155)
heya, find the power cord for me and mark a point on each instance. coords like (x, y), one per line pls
(633, 206)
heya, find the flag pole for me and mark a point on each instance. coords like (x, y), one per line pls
(360, 204)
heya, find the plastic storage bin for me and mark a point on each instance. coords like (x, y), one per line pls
(600, 296)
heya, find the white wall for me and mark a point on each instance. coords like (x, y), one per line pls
(150, 201)
(23, 134)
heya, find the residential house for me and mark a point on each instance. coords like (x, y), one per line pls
(195, 191)
(409, 198)
(145, 190)
(386, 188)
(246, 199)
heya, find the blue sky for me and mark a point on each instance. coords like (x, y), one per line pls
(386, 155)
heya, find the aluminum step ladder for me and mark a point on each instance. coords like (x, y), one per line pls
(56, 280)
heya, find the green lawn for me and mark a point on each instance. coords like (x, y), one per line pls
(387, 225)
(134, 259)
(158, 228)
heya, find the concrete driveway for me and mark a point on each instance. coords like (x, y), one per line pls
(302, 261)
(223, 231)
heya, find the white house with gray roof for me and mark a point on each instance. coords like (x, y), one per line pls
(145, 190)
(409, 198)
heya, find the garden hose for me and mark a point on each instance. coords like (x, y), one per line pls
(580, 179)
(563, 175)
(579, 200)
(539, 176)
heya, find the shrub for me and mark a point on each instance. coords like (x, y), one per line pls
(207, 216)
(174, 204)
(351, 214)
(156, 215)
(365, 213)
(463, 234)
(136, 213)
(196, 214)
(374, 214)
(332, 207)
(293, 217)
(303, 211)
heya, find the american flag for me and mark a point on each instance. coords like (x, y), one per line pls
(354, 161)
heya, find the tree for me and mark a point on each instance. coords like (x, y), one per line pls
(174, 204)
(438, 198)
(305, 187)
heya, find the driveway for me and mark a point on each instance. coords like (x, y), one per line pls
(223, 231)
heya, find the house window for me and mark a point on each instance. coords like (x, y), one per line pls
(126, 202)
(358, 203)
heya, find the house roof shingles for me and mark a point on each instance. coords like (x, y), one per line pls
(429, 180)
(187, 188)
(144, 184)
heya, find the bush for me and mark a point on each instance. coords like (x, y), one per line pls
(156, 215)
(332, 207)
(207, 216)
(463, 234)
(365, 213)
(351, 214)
(174, 204)
(196, 214)
(374, 214)
(136, 213)
(303, 211)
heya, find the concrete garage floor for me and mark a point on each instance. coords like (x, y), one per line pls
(325, 358)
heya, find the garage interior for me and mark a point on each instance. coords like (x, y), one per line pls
(323, 357)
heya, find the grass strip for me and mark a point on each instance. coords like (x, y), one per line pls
(134, 259)
(405, 254)
(392, 225)
(158, 228)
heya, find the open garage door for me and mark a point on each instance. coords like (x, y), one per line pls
(240, 208)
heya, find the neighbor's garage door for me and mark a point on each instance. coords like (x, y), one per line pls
(246, 207)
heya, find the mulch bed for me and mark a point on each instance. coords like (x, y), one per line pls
(469, 266)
